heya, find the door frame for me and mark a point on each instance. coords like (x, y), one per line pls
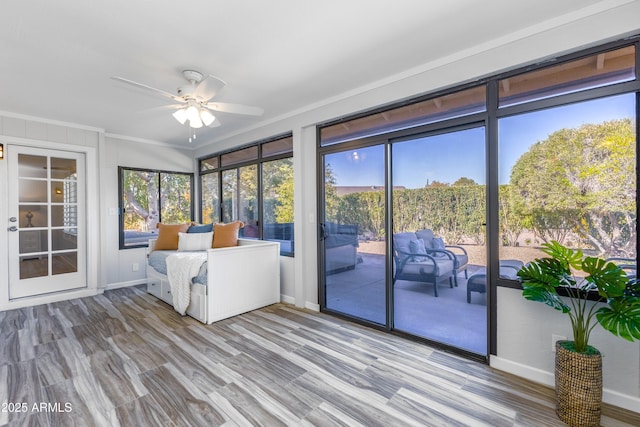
(94, 269)
(431, 129)
(51, 282)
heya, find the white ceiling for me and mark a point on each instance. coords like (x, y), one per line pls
(56, 57)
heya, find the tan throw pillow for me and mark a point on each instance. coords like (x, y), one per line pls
(225, 235)
(168, 236)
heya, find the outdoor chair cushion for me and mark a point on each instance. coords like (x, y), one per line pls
(430, 241)
(444, 266)
(427, 268)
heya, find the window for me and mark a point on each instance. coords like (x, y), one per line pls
(417, 113)
(602, 69)
(240, 198)
(210, 200)
(569, 174)
(491, 172)
(254, 185)
(148, 197)
(567, 166)
(277, 202)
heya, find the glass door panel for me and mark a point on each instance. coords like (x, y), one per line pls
(439, 242)
(45, 212)
(353, 245)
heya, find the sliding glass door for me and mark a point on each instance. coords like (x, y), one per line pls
(439, 212)
(431, 279)
(353, 233)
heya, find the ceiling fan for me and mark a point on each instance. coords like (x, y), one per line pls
(194, 100)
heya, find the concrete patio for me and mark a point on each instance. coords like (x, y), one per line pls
(448, 318)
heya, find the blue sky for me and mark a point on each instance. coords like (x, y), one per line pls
(448, 157)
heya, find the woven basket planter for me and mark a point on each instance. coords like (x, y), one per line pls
(578, 387)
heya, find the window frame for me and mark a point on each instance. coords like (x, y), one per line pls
(121, 207)
(490, 118)
(491, 115)
(258, 162)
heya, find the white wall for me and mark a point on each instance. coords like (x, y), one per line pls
(525, 330)
(605, 21)
(120, 152)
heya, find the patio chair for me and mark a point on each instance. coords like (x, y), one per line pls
(461, 258)
(426, 265)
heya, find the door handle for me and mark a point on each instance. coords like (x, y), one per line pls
(323, 231)
(12, 228)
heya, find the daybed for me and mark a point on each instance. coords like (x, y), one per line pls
(236, 279)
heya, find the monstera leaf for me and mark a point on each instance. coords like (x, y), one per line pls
(610, 280)
(621, 318)
(542, 278)
(536, 293)
(568, 257)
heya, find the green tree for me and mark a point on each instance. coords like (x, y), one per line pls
(331, 199)
(144, 191)
(514, 219)
(277, 180)
(436, 184)
(366, 209)
(240, 194)
(140, 193)
(582, 181)
(175, 198)
(464, 181)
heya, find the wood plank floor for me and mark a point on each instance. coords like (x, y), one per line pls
(125, 358)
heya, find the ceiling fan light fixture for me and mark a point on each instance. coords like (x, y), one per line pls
(180, 115)
(207, 117)
(192, 113)
(196, 124)
(194, 117)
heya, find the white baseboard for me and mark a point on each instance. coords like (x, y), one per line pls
(610, 397)
(312, 306)
(620, 400)
(524, 371)
(118, 285)
(49, 298)
(291, 300)
(287, 299)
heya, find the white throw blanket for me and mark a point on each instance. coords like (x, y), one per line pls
(181, 267)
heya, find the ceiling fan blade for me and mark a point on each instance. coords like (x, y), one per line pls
(209, 87)
(225, 107)
(146, 87)
(215, 123)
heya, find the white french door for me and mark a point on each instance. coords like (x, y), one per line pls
(46, 223)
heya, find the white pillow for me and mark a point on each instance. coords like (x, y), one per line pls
(188, 242)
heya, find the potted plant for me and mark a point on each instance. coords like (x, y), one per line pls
(578, 365)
